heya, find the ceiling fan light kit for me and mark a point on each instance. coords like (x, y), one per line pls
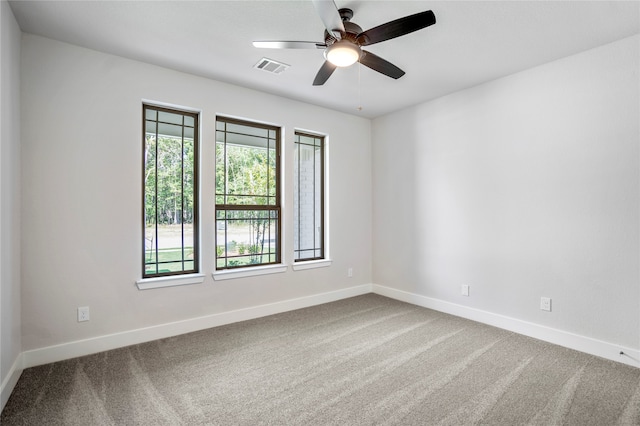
(343, 53)
(343, 40)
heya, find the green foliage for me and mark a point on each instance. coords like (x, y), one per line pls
(246, 175)
(169, 180)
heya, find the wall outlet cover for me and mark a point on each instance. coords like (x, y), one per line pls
(545, 304)
(83, 313)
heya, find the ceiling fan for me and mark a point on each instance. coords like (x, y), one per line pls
(343, 40)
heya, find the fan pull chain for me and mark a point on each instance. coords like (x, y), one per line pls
(359, 89)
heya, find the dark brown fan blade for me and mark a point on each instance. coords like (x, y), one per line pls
(325, 72)
(376, 63)
(396, 28)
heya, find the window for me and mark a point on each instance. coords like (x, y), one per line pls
(170, 192)
(308, 197)
(247, 194)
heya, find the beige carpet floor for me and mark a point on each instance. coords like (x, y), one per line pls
(366, 360)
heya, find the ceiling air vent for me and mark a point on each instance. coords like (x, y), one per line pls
(269, 65)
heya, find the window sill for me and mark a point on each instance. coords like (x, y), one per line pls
(311, 264)
(175, 280)
(248, 272)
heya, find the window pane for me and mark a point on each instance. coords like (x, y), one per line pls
(150, 211)
(247, 130)
(169, 117)
(150, 127)
(170, 130)
(246, 175)
(170, 194)
(308, 197)
(246, 170)
(246, 140)
(246, 237)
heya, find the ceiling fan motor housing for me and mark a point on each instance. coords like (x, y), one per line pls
(351, 30)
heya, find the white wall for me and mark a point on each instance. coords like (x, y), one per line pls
(81, 142)
(523, 187)
(10, 341)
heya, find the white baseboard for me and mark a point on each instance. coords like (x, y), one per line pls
(10, 381)
(93, 345)
(562, 338)
(78, 348)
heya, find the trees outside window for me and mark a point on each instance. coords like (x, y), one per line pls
(170, 192)
(248, 211)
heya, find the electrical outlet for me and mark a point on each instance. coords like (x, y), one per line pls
(83, 314)
(350, 272)
(545, 304)
(464, 290)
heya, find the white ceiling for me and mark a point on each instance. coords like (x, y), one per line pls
(471, 43)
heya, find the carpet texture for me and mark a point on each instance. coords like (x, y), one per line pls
(367, 360)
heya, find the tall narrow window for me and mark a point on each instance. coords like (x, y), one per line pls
(170, 192)
(247, 194)
(308, 197)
